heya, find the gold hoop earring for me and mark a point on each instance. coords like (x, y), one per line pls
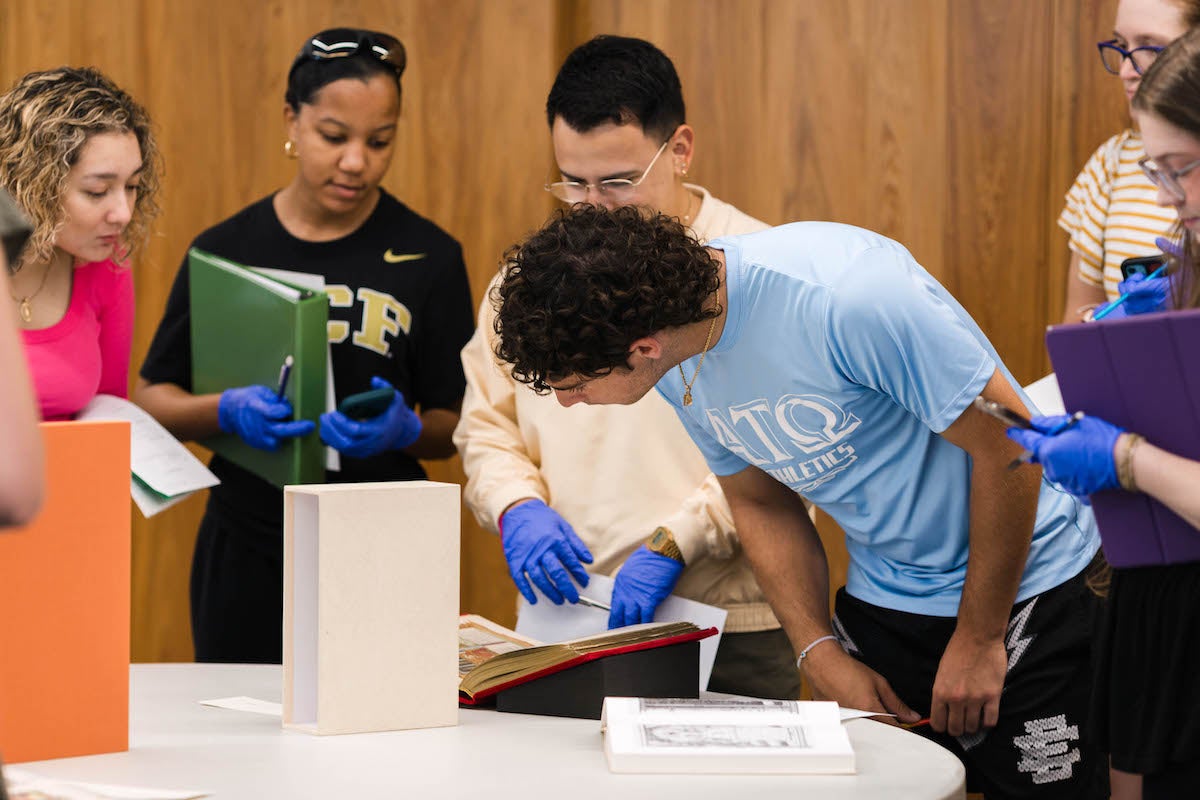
(289, 149)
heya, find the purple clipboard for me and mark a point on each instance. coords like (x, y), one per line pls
(1134, 373)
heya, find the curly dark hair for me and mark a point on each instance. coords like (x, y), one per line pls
(577, 293)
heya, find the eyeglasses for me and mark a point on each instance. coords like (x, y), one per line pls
(619, 190)
(1112, 55)
(1167, 179)
(346, 42)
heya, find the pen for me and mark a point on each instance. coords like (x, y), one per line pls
(1057, 429)
(587, 601)
(917, 724)
(1062, 426)
(1104, 312)
(285, 372)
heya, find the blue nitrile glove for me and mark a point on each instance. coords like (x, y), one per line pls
(395, 429)
(1172, 247)
(644, 581)
(1146, 295)
(1080, 459)
(258, 417)
(540, 544)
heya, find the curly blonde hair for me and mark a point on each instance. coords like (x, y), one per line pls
(46, 118)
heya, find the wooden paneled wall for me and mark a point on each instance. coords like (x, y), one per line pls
(954, 126)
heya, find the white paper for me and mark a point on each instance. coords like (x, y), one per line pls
(21, 781)
(854, 713)
(310, 280)
(550, 623)
(150, 502)
(167, 469)
(243, 703)
(1045, 395)
(750, 735)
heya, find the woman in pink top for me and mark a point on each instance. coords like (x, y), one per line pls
(78, 157)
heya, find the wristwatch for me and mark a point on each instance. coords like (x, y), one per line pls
(663, 543)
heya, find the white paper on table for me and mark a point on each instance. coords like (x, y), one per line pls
(164, 471)
(550, 623)
(1045, 395)
(310, 280)
(243, 703)
(854, 713)
(21, 781)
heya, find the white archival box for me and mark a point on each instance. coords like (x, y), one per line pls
(370, 606)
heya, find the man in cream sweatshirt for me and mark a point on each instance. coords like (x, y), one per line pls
(621, 488)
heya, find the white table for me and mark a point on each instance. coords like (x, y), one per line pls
(177, 743)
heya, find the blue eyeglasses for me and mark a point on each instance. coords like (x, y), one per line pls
(1112, 55)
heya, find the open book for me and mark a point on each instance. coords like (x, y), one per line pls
(480, 639)
(552, 623)
(503, 659)
(727, 735)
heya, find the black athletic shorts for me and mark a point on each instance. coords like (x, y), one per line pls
(1042, 746)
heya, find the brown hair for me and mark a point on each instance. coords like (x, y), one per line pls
(1190, 9)
(1170, 90)
(45, 121)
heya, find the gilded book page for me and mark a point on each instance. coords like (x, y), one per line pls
(479, 639)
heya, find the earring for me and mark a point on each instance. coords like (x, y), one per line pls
(683, 170)
(289, 149)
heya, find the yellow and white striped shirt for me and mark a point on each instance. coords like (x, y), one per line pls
(1111, 214)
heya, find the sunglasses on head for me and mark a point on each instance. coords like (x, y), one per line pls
(346, 42)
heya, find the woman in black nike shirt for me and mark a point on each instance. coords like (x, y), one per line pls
(400, 312)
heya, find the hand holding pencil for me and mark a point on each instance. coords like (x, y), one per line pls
(259, 416)
(1140, 294)
(1075, 452)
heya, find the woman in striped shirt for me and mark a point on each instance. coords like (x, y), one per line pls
(1110, 211)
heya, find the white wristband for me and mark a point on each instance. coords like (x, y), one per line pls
(805, 651)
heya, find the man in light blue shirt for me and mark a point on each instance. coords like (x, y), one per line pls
(821, 361)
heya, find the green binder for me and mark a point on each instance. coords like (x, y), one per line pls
(244, 324)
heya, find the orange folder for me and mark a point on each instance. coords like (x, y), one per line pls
(64, 602)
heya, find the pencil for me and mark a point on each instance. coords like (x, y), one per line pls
(587, 601)
(1104, 312)
(284, 373)
(1025, 457)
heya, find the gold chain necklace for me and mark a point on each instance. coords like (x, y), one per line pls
(687, 218)
(687, 385)
(24, 304)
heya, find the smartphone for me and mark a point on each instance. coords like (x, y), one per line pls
(365, 405)
(1003, 413)
(1141, 265)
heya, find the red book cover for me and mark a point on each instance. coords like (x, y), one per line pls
(583, 656)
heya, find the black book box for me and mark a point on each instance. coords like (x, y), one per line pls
(579, 691)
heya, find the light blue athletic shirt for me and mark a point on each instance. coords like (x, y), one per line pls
(840, 362)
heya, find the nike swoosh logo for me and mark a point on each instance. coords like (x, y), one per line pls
(393, 258)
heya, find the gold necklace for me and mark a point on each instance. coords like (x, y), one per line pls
(687, 385)
(24, 304)
(687, 218)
